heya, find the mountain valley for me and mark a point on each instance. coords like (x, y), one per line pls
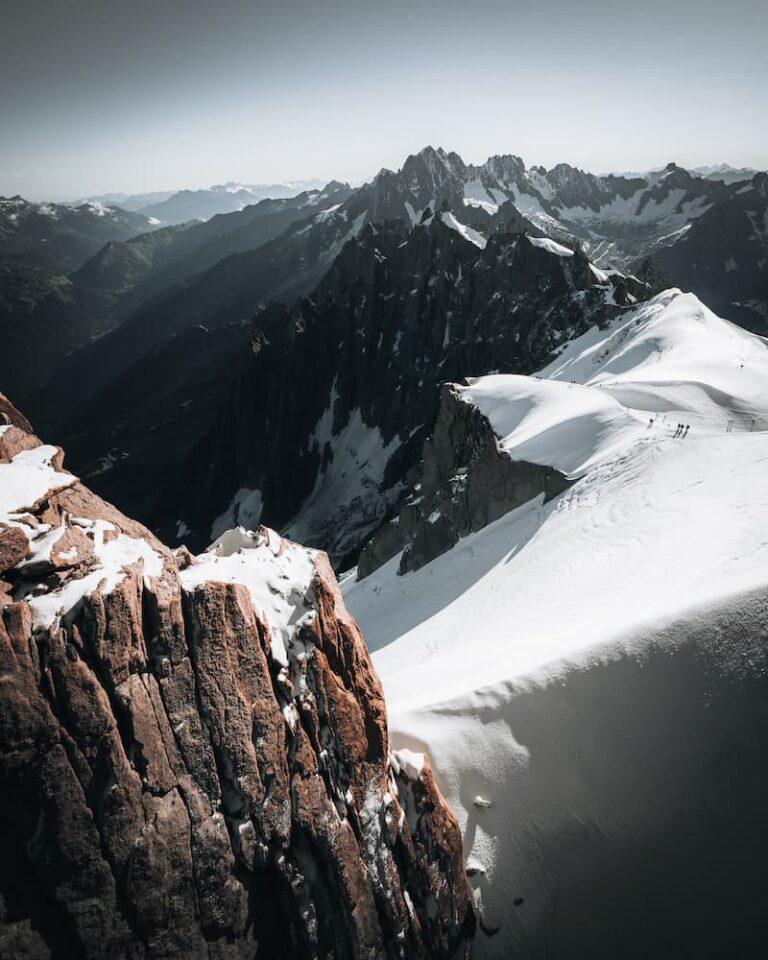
(407, 597)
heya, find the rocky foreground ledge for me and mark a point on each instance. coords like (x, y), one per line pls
(194, 756)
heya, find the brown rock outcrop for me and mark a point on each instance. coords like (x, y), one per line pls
(193, 753)
(14, 547)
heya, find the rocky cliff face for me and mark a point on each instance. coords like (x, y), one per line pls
(465, 481)
(333, 404)
(723, 256)
(194, 758)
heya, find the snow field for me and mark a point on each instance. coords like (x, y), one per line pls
(586, 665)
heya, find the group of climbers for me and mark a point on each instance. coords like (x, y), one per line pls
(681, 430)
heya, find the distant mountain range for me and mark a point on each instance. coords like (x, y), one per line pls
(60, 237)
(499, 399)
(717, 171)
(186, 354)
(43, 313)
(69, 274)
(724, 171)
(151, 263)
(178, 206)
(189, 350)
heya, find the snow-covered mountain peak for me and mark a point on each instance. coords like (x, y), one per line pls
(662, 420)
(229, 187)
(668, 361)
(506, 169)
(615, 217)
(432, 169)
(667, 380)
(583, 666)
(436, 158)
(724, 171)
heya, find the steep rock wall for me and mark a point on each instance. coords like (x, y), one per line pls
(464, 482)
(194, 756)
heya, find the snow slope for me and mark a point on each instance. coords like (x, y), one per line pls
(667, 361)
(562, 425)
(345, 497)
(467, 232)
(674, 355)
(526, 660)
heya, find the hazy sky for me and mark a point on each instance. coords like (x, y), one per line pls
(107, 95)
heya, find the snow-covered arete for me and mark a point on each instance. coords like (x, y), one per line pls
(668, 361)
(563, 425)
(467, 232)
(552, 247)
(576, 663)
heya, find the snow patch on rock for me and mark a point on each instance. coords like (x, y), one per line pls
(27, 478)
(277, 574)
(467, 232)
(346, 492)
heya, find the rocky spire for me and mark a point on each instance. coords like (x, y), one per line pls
(194, 757)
